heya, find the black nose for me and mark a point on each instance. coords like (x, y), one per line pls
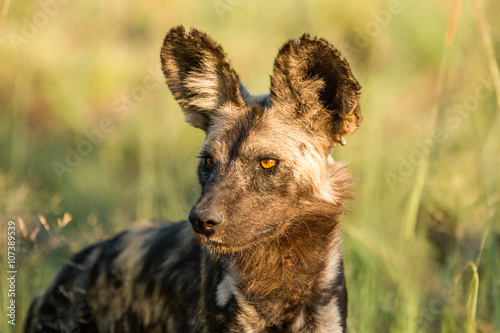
(205, 221)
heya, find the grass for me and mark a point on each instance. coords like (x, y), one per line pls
(422, 239)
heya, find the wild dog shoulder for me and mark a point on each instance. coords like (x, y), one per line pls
(130, 275)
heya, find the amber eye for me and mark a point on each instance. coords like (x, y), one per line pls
(267, 163)
(209, 163)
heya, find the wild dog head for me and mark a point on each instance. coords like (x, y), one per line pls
(266, 159)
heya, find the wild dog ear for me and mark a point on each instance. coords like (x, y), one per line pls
(313, 81)
(198, 74)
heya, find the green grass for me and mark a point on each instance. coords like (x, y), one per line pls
(422, 239)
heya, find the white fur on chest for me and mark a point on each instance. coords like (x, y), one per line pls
(327, 318)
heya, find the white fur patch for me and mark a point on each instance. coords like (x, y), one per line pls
(333, 263)
(315, 169)
(206, 89)
(205, 84)
(299, 322)
(225, 290)
(328, 318)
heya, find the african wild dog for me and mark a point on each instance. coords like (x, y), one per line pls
(265, 255)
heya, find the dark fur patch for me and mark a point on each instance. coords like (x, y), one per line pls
(237, 134)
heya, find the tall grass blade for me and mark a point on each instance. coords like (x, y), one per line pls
(410, 219)
(472, 300)
(490, 50)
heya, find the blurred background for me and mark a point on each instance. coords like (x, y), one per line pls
(91, 140)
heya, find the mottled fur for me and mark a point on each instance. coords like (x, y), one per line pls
(266, 252)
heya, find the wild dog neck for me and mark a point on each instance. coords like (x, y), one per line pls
(291, 273)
